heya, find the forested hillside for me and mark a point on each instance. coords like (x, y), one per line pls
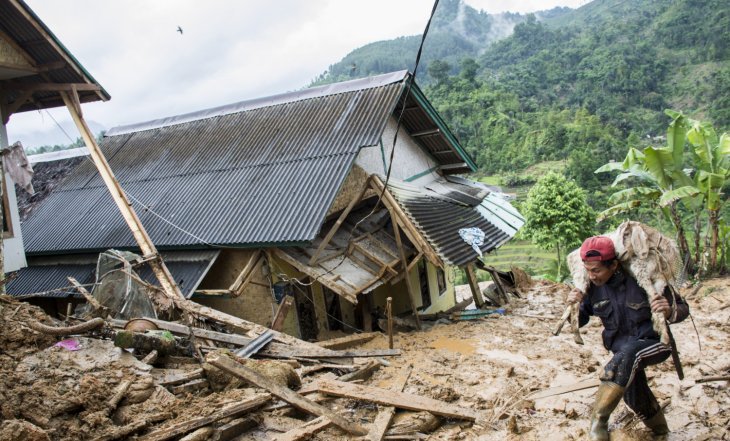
(578, 86)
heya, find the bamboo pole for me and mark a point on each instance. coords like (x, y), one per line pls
(389, 312)
(120, 199)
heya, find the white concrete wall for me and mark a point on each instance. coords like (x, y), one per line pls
(410, 159)
(13, 252)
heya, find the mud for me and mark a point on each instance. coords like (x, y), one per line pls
(492, 365)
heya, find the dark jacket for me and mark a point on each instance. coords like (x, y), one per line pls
(624, 310)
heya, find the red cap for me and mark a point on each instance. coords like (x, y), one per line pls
(601, 246)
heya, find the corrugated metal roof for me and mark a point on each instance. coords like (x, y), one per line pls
(258, 177)
(440, 215)
(50, 277)
(52, 62)
(257, 173)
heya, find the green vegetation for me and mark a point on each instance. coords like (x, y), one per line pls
(574, 90)
(557, 215)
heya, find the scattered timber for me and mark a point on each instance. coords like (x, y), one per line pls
(713, 378)
(385, 416)
(283, 393)
(306, 430)
(400, 400)
(195, 423)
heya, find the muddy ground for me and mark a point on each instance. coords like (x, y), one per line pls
(491, 365)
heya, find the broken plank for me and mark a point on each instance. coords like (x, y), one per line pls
(279, 351)
(281, 312)
(195, 423)
(400, 400)
(363, 373)
(382, 421)
(305, 430)
(189, 387)
(348, 341)
(283, 393)
(235, 428)
(173, 378)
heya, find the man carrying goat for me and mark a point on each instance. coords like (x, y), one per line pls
(626, 314)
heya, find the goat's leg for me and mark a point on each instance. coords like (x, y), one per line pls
(658, 321)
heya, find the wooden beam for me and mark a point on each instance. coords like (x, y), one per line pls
(365, 372)
(382, 421)
(281, 312)
(212, 292)
(340, 220)
(50, 87)
(283, 393)
(11, 108)
(305, 430)
(348, 341)
(559, 390)
(400, 400)
(409, 285)
(474, 285)
(235, 428)
(194, 423)
(411, 232)
(87, 295)
(169, 286)
(246, 274)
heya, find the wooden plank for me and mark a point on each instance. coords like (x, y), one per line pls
(363, 373)
(194, 423)
(283, 393)
(249, 276)
(305, 430)
(294, 353)
(236, 339)
(404, 261)
(400, 400)
(192, 386)
(471, 277)
(168, 379)
(97, 307)
(237, 284)
(235, 428)
(348, 341)
(385, 416)
(281, 312)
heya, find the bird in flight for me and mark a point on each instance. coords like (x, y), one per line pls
(179, 29)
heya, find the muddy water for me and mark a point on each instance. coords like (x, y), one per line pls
(462, 346)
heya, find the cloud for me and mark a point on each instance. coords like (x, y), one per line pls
(229, 50)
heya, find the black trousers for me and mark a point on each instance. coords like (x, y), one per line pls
(626, 369)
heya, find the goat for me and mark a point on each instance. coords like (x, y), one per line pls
(646, 255)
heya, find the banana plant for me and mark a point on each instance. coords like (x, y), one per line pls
(662, 182)
(711, 155)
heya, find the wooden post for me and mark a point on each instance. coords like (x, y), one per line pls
(389, 312)
(148, 249)
(471, 277)
(411, 292)
(281, 312)
(340, 220)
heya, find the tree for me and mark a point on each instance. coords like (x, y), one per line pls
(439, 71)
(557, 215)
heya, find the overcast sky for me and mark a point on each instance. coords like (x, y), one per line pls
(229, 50)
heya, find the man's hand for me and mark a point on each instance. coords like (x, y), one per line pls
(575, 296)
(660, 304)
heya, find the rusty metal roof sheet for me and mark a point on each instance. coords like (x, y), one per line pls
(254, 174)
(439, 215)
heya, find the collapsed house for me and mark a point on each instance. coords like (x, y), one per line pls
(296, 177)
(289, 195)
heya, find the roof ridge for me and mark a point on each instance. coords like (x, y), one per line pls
(257, 103)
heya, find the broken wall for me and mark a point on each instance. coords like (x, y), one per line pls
(256, 302)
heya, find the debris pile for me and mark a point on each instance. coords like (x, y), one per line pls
(489, 377)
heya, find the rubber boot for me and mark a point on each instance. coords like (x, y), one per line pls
(607, 398)
(657, 424)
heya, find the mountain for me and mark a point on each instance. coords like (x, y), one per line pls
(577, 86)
(457, 31)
